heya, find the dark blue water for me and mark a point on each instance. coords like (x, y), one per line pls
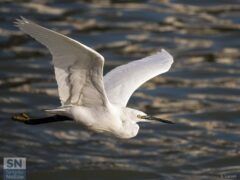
(201, 93)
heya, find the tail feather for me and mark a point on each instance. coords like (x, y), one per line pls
(62, 111)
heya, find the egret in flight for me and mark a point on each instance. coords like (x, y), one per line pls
(95, 101)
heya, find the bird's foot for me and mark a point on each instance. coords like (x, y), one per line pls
(23, 117)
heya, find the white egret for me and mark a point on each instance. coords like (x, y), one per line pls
(97, 102)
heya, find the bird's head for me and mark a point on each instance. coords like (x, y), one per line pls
(139, 116)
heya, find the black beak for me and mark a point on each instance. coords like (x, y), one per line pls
(157, 119)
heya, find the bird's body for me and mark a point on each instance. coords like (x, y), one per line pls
(115, 120)
(97, 102)
(112, 120)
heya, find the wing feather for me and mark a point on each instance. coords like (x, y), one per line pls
(121, 82)
(78, 68)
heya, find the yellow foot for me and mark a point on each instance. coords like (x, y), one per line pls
(23, 117)
(26, 116)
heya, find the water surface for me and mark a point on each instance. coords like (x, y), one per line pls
(201, 93)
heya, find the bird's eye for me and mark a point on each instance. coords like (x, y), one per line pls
(139, 116)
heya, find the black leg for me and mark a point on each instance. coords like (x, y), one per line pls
(34, 121)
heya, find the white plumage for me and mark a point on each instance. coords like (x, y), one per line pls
(121, 82)
(89, 98)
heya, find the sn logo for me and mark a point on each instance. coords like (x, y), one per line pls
(14, 163)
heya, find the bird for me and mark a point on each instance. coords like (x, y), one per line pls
(88, 98)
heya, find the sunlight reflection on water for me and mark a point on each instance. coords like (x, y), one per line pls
(200, 93)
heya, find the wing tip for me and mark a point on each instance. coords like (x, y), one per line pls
(166, 54)
(21, 21)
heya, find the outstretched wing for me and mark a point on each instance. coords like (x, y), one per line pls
(78, 68)
(122, 81)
